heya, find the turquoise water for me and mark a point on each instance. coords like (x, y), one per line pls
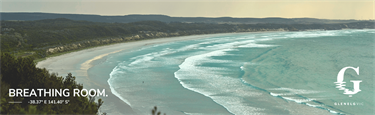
(248, 73)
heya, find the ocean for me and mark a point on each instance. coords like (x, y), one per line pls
(248, 73)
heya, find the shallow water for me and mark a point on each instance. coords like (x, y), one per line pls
(248, 73)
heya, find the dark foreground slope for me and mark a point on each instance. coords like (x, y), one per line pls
(21, 73)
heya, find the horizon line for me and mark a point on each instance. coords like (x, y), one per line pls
(184, 16)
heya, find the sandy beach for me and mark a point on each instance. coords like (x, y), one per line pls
(87, 66)
(78, 63)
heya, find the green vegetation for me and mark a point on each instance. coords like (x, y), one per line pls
(23, 42)
(42, 38)
(167, 19)
(155, 111)
(21, 73)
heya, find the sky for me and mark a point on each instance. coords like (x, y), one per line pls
(323, 9)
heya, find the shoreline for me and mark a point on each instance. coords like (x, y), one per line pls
(79, 62)
(102, 45)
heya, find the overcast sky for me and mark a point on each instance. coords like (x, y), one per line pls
(326, 9)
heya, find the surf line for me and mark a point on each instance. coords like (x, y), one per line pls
(302, 103)
(87, 65)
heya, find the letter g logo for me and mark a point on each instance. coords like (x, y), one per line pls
(340, 82)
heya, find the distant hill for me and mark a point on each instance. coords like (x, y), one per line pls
(167, 19)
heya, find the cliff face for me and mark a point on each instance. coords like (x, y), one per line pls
(140, 36)
(80, 45)
(98, 42)
(154, 34)
(60, 35)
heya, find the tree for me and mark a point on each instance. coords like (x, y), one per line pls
(22, 73)
(155, 111)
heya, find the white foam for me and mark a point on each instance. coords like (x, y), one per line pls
(114, 92)
(210, 81)
(300, 100)
(252, 45)
(213, 83)
(309, 34)
(148, 57)
(186, 113)
(296, 91)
